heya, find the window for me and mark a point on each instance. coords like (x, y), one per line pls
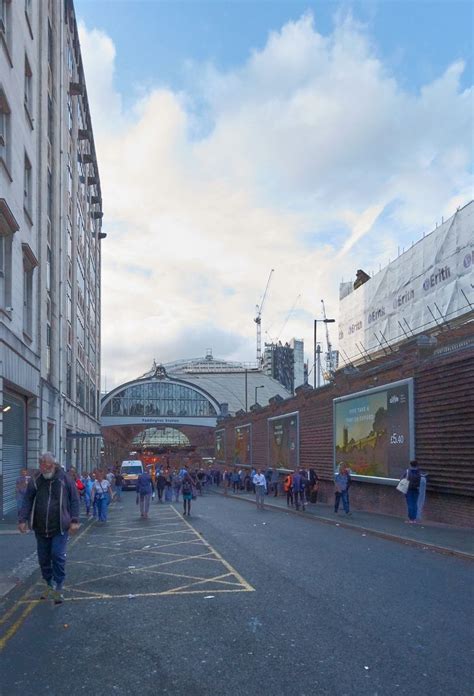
(5, 22)
(48, 348)
(28, 96)
(27, 300)
(29, 264)
(4, 131)
(50, 46)
(8, 226)
(5, 270)
(28, 188)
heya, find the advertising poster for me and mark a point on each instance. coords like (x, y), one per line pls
(242, 446)
(220, 446)
(283, 441)
(373, 430)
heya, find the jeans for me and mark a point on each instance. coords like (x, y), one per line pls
(118, 492)
(299, 498)
(52, 557)
(344, 495)
(102, 508)
(412, 503)
(260, 495)
(289, 496)
(145, 504)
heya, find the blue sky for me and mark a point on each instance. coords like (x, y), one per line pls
(236, 137)
(155, 39)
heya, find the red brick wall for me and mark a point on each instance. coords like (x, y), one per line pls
(444, 420)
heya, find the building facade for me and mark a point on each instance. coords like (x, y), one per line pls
(50, 232)
(285, 363)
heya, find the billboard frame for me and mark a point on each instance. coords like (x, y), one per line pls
(409, 381)
(236, 427)
(280, 417)
(224, 440)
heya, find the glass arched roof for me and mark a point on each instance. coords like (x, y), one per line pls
(159, 398)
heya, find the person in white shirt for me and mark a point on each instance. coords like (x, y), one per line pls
(260, 483)
(101, 495)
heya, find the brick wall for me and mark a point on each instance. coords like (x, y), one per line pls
(444, 418)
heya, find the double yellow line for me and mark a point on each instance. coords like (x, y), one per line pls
(30, 604)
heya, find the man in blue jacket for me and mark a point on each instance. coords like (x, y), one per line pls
(51, 506)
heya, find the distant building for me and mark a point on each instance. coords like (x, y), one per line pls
(50, 231)
(285, 363)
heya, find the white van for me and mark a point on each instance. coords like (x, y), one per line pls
(131, 470)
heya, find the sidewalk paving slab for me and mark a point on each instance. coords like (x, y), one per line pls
(457, 541)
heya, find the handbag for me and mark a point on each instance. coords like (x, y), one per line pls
(404, 484)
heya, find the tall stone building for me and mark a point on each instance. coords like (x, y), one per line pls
(50, 232)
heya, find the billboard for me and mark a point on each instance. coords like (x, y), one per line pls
(429, 284)
(283, 441)
(243, 445)
(219, 445)
(374, 431)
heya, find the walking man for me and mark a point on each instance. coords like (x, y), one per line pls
(260, 483)
(144, 491)
(51, 506)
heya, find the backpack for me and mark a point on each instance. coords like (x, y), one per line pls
(187, 487)
(80, 486)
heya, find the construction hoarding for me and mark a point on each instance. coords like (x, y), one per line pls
(431, 283)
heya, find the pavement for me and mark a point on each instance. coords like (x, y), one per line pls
(18, 551)
(456, 541)
(236, 601)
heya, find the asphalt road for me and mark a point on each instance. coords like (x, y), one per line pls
(237, 601)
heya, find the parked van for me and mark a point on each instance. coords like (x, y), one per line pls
(131, 470)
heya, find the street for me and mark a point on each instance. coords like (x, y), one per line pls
(235, 601)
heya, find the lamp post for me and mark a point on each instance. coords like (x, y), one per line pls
(317, 350)
(260, 387)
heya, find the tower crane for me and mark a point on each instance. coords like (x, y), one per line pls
(329, 355)
(258, 319)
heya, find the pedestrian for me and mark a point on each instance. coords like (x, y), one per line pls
(88, 482)
(235, 481)
(118, 486)
(20, 488)
(160, 486)
(187, 491)
(342, 483)
(51, 506)
(101, 495)
(144, 492)
(111, 479)
(275, 479)
(260, 483)
(288, 488)
(313, 486)
(414, 480)
(297, 486)
(176, 483)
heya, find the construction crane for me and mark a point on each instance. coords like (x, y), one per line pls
(287, 317)
(258, 320)
(329, 355)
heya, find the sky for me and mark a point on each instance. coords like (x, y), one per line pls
(235, 137)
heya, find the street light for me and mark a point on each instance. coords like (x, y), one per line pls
(260, 387)
(317, 351)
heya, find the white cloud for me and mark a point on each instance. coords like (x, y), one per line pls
(312, 134)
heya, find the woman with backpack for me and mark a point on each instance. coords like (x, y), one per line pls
(187, 491)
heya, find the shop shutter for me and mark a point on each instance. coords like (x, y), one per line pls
(14, 450)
